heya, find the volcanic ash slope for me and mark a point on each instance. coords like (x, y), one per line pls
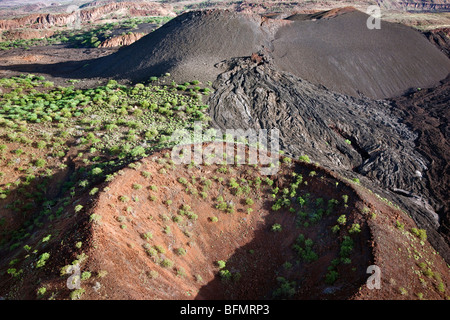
(337, 51)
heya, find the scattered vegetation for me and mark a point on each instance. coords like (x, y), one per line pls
(111, 127)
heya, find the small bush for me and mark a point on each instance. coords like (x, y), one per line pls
(166, 263)
(148, 235)
(146, 174)
(41, 291)
(420, 233)
(76, 294)
(94, 217)
(86, 275)
(355, 228)
(286, 288)
(345, 198)
(181, 251)
(335, 229)
(331, 277)
(276, 227)
(160, 249)
(225, 274)
(221, 264)
(399, 225)
(40, 163)
(403, 291)
(124, 198)
(42, 260)
(304, 158)
(249, 201)
(342, 220)
(346, 247)
(137, 186)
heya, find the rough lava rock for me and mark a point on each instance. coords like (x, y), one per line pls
(356, 137)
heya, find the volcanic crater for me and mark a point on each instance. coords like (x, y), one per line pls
(359, 181)
(161, 230)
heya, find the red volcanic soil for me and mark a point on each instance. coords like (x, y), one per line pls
(150, 234)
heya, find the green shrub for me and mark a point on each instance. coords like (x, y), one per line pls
(221, 264)
(304, 158)
(331, 277)
(286, 288)
(181, 251)
(346, 247)
(342, 220)
(276, 227)
(42, 260)
(41, 291)
(399, 225)
(148, 235)
(214, 219)
(420, 233)
(96, 171)
(225, 274)
(355, 228)
(124, 198)
(166, 263)
(40, 163)
(137, 186)
(146, 174)
(345, 198)
(160, 249)
(86, 275)
(76, 294)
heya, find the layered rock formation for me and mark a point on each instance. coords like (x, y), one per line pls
(412, 5)
(91, 14)
(122, 40)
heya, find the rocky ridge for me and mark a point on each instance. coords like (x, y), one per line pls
(91, 14)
